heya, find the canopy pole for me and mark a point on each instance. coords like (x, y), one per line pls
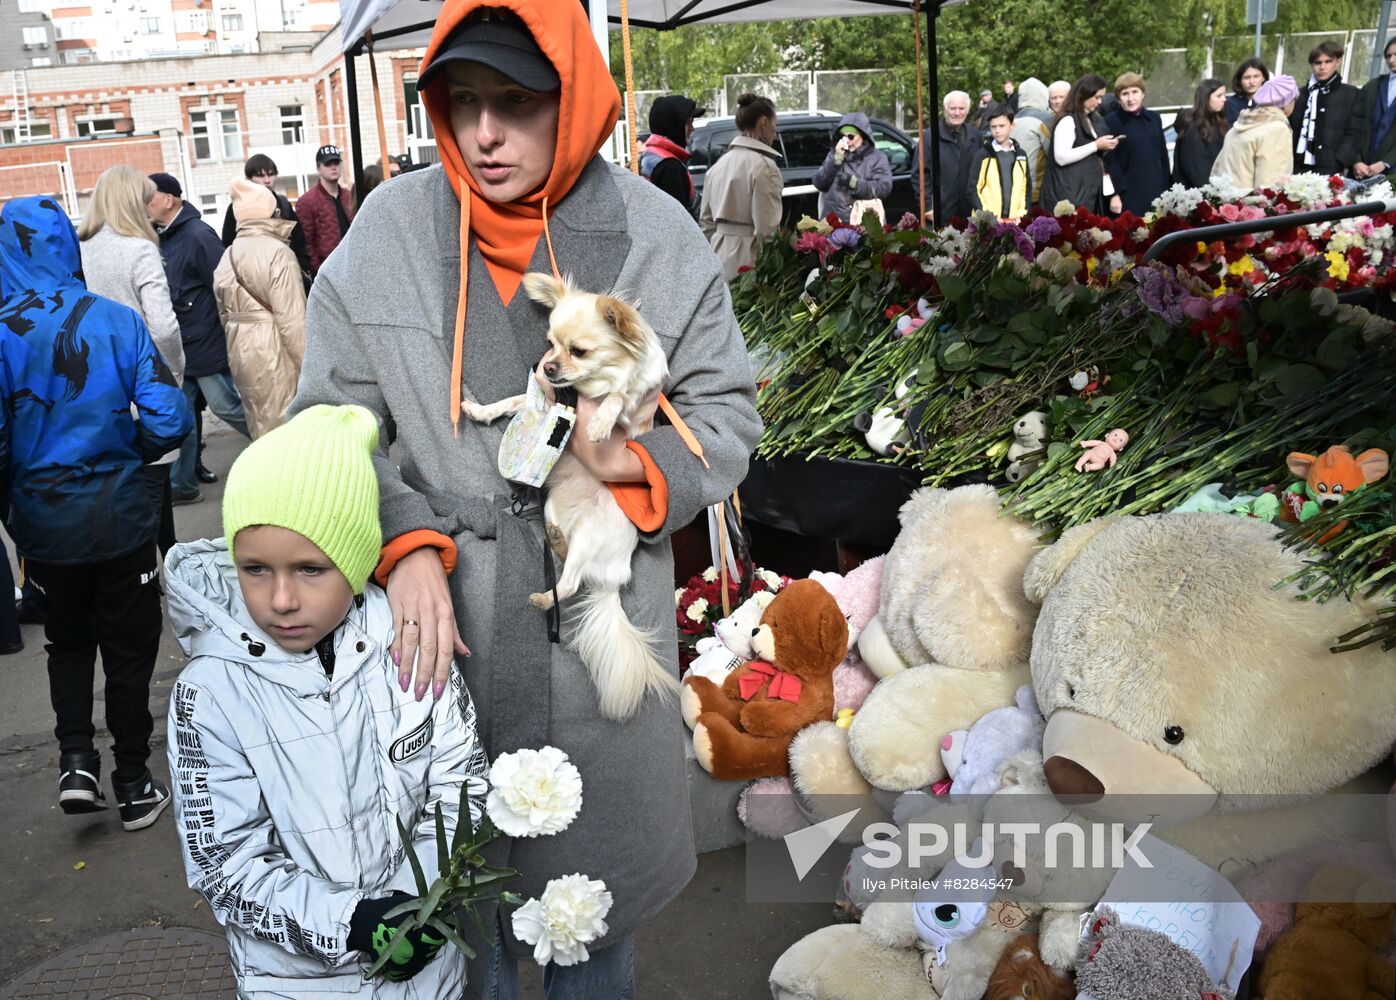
(356, 139)
(932, 11)
(630, 115)
(378, 114)
(920, 111)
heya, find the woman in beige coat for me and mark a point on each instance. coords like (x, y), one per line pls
(1259, 149)
(741, 193)
(261, 303)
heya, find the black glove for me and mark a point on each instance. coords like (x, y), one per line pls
(370, 932)
(844, 175)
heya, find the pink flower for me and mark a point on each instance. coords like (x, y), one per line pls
(812, 242)
(1250, 213)
(1195, 307)
(1230, 212)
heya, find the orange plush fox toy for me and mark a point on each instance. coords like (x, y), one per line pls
(1328, 479)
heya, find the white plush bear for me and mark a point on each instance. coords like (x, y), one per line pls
(719, 655)
(885, 430)
(1030, 434)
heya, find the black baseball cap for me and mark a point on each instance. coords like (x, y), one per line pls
(168, 184)
(500, 40)
(328, 154)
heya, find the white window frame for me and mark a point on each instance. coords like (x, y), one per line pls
(210, 126)
(33, 7)
(86, 127)
(292, 125)
(235, 26)
(38, 61)
(36, 35)
(150, 25)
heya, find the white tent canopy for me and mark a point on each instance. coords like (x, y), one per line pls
(407, 24)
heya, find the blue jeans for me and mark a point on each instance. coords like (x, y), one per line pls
(608, 975)
(222, 396)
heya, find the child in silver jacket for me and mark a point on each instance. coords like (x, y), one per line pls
(292, 748)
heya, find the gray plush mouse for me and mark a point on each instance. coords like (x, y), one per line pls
(1121, 962)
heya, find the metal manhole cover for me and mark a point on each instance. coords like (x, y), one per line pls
(142, 964)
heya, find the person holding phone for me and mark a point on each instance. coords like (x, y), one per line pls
(854, 170)
(1075, 166)
(1138, 165)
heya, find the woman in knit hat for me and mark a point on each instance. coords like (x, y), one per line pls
(421, 306)
(293, 749)
(261, 302)
(1257, 152)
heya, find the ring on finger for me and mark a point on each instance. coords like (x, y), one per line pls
(408, 621)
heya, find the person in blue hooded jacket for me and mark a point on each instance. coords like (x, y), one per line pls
(854, 170)
(75, 371)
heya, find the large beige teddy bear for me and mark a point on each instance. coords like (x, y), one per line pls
(1169, 662)
(954, 608)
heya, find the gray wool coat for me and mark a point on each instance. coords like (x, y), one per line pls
(379, 331)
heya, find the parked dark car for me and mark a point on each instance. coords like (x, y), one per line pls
(804, 140)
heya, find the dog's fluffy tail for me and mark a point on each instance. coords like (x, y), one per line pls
(621, 658)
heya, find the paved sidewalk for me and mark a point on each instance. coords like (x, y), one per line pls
(88, 909)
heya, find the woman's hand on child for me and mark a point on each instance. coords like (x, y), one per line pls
(424, 622)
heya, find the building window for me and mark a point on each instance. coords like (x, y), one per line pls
(150, 26)
(208, 205)
(32, 7)
(40, 61)
(9, 134)
(215, 134)
(292, 124)
(96, 126)
(35, 36)
(232, 22)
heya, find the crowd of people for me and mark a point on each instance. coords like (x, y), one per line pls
(1099, 146)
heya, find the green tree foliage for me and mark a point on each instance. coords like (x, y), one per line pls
(981, 43)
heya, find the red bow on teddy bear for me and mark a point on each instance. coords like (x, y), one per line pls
(784, 685)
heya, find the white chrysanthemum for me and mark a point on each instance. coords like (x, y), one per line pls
(939, 266)
(697, 609)
(1308, 190)
(570, 915)
(1177, 200)
(1221, 189)
(1116, 260)
(533, 792)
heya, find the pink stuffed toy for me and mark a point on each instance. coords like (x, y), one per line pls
(1099, 454)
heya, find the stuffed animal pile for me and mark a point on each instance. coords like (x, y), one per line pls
(1133, 656)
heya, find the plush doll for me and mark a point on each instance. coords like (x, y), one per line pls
(1102, 454)
(973, 758)
(1327, 480)
(1121, 962)
(1334, 948)
(1030, 438)
(720, 654)
(1144, 660)
(1022, 975)
(743, 729)
(953, 609)
(885, 429)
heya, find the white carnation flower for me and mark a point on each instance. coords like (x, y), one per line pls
(771, 580)
(570, 915)
(697, 609)
(678, 597)
(710, 574)
(1063, 208)
(533, 792)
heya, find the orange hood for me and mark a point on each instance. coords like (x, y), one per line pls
(507, 234)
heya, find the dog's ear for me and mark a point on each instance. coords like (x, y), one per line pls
(624, 319)
(543, 288)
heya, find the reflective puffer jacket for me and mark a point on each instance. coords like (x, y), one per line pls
(287, 784)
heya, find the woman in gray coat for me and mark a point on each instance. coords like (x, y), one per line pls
(854, 170)
(421, 307)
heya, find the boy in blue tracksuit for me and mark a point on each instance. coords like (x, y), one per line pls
(75, 369)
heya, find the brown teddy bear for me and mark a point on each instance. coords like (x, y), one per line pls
(1334, 949)
(743, 729)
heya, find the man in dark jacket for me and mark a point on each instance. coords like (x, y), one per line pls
(958, 139)
(1378, 111)
(665, 158)
(191, 251)
(1138, 166)
(326, 210)
(1327, 117)
(261, 169)
(73, 369)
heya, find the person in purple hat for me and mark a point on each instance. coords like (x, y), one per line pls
(1258, 151)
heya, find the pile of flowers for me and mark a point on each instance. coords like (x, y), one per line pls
(1219, 358)
(698, 603)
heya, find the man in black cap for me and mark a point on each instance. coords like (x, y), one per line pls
(665, 159)
(326, 209)
(191, 251)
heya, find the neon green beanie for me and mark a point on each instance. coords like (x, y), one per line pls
(313, 475)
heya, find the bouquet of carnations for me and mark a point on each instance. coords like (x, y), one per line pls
(698, 603)
(532, 793)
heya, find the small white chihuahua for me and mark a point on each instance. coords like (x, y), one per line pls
(602, 348)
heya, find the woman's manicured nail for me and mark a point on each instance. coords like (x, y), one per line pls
(397, 658)
(436, 690)
(404, 680)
